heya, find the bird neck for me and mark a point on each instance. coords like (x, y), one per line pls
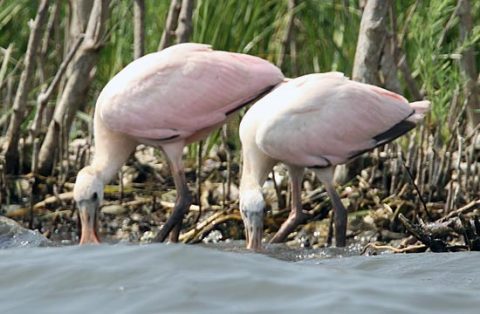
(106, 168)
(256, 166)
(111, 151)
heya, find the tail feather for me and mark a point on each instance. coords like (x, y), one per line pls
(421, 108)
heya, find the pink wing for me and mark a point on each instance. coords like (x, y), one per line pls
(181, 90)
(324, 119)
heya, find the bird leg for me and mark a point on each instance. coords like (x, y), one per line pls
(296, 216)
(340, 215)
(184, 199)
(326, 176)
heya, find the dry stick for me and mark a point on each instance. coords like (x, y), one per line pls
(293, 54)
(468, 174)
(7, 54)
(411, 248)
(287, 35)
(120, 185)
(468, 63)
(458, 169)
(462, 210)
(418, 191)
(473, 134)
(78, 82)
(21, 150)
(280, 203)
(450, 23)
(171, 24)
(370, 43)
(138, 28)
(228, 153)
(420, 159)
(448, 202)
(466, 181)
(51, 24)
(208, 225)
(400, 56)
(407, 75)
(436, 165)
(184, 28)
(45, 95)
(10, 149)
(406, 24)
(388, 64)
(2, 183)
(452, 116)
(431, 165)
(394, 170)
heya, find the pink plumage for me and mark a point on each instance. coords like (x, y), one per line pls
(181, 90)
(317, 121)
(327, 118)
(166, 99)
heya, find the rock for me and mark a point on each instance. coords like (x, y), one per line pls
(147, 237)
(114, 209)
(13, 235)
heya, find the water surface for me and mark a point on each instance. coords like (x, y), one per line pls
(161, 278)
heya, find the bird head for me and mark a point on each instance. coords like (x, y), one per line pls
(252, 206)
(88, 195)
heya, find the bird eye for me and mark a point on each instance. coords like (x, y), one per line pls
(94, 196)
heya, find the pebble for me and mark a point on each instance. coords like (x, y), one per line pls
(114, 209)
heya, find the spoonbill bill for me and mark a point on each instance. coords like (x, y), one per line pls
(316, 121)
(166, 99)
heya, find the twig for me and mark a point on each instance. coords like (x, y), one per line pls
(209, 224)
(418, 191)
(171, 24)
(287, 35)
(408, 249)
(184, 28)
(139, 28)
(10, 148)
(45, 95)
(462, 210)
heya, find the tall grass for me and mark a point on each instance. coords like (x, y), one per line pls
(325, 37)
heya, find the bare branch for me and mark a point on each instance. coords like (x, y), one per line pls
(75, 91)
(171, 24)
(184, 29)
(287, 36)
(10, 148)
(45, 95)
(370, 42)
(468, 64)
(138, 28)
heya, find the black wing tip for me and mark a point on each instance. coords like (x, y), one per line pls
(328, 164)
(389, 135)
(254, 98)
(394, 132)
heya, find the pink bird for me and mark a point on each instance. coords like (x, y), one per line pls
(166, 99)
(316, 121)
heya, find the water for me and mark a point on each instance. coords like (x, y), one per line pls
(162, 278)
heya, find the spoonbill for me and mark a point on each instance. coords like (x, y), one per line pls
(166, 99)
(316, 121)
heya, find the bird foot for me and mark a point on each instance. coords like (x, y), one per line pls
(294, 220)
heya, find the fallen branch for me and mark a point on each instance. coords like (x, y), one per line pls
(467, 208)
(408, 249)
(195, 234)
(435, 244)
